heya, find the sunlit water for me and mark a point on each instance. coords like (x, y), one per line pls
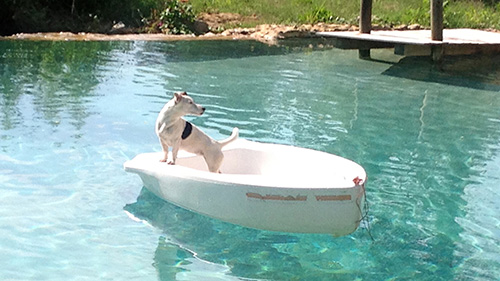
(72, 112)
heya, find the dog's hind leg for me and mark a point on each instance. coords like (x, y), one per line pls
(214, 162)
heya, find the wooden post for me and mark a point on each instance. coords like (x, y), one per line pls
(437, 29)
(365, 17)
(437, 20)
(365, 24)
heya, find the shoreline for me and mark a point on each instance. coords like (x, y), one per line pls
(265, 33)
(270, 34)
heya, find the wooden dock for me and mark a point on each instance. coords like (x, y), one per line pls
(437, 42)
(419, 42)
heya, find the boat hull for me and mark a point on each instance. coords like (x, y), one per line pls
(256, 199)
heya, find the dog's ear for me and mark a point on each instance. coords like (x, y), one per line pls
(184, 93)
(178, 97)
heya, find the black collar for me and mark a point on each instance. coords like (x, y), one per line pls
(187, 130)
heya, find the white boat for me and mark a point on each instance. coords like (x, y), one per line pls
(264, 186)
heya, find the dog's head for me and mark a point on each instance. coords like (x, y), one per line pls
(186, 104)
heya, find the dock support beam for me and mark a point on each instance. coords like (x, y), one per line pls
(365, 24)
(437, 20)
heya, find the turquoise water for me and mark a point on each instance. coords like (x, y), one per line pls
(72, 112)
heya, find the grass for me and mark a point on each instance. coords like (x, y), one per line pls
(279, 11)
(99, 16)
(474, 13)
(457, 13)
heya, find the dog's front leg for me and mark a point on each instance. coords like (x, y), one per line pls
(164, 147)
(175, 150)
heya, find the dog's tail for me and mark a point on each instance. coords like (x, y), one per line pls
(234, 135)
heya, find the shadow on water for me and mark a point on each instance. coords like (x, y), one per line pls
(481, 72)
(228, 249)
(462, 71)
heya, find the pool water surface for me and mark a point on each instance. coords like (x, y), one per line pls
(71, 113)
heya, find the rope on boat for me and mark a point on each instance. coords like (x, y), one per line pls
(365, 218)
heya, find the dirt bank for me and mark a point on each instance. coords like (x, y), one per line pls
(214, 23)
(265, 33)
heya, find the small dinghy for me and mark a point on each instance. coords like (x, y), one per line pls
(264, 186)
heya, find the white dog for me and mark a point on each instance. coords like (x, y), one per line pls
(175, 132)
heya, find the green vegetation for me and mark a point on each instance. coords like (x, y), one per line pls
(174, 17)
(71, 15)
(284, 11)
(457, 13)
